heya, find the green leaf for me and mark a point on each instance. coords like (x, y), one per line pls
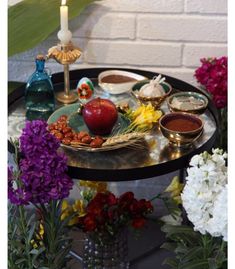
(212, 264)
(31, 232)
(171, 262)
(20, 260)
(202, 264)
(169, 246)
(194, 253)
(32, 21)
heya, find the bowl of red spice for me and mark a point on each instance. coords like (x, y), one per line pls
(180, 128)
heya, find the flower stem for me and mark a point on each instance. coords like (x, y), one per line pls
(24, 231)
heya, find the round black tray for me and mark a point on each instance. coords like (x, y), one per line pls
(104, 174)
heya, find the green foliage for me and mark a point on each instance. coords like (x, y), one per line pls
(55, 239)
(194, 250)
(21, 228)
(32, 21)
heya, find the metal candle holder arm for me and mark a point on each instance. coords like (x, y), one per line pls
(65, 55)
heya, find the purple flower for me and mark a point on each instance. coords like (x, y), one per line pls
(42, 169)
(35, 139)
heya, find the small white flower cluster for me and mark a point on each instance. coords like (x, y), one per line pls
(205, 194)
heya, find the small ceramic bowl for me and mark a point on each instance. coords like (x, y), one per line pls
(155, 101)
(118, 81)
(180, 128)
(190, 102)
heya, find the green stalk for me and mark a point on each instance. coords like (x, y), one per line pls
(206, 247)
(24, 230)
(158, 196)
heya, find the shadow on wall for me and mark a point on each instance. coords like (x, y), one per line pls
(84, 28)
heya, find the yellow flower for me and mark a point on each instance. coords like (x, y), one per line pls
(66, 209)
(97, 186)
(33, 243)
(175, 188)
(101, 186)
(38, 237)
(85, 183)
(41, 231)
(78, 207)
(144, 117)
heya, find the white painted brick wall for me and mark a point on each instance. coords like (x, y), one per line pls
(206, 6)
(166, 36)
(96, 25)
(181, 28)
(192, 52)
(136, 54)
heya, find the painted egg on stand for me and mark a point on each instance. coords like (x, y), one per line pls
(85, 90)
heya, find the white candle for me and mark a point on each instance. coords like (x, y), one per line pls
(64, 34)
(64, 16)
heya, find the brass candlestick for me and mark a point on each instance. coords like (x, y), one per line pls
(65, 55)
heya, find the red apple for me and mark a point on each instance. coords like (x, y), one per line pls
(100, 115)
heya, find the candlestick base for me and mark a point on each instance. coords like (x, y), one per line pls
(65, 55)
(66, 99)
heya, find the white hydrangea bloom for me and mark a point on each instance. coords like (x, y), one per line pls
(205, 193)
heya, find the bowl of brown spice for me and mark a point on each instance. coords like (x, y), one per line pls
(180, 128)
(118, 81)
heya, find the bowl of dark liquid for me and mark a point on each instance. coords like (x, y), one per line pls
(181, 129)
(118, 81)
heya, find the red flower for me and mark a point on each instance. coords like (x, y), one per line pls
(126, 197)
(138, 223)
(111, 199)
(89, 223)
(149, 206)
(106, 210)
(94, 208)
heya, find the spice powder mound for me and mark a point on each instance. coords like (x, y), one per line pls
(182, 125)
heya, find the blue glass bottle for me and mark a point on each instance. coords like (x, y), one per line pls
(39, 93)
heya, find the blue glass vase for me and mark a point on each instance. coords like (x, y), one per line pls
(39, 93)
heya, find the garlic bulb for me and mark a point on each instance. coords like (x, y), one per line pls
(153, 88)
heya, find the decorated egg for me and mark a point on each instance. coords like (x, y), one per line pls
(85, 89)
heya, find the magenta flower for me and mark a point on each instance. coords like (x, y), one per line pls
(212, 74)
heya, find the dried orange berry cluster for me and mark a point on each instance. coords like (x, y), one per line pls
(67, 136)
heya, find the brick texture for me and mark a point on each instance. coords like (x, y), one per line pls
(208, 6)
(105, 26)
(166, 36)
(150, 6)
(141, 54)
(193, 52)
(182, 28)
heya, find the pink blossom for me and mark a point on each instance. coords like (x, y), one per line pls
(212, 74)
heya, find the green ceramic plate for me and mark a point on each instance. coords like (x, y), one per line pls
(76, 122)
